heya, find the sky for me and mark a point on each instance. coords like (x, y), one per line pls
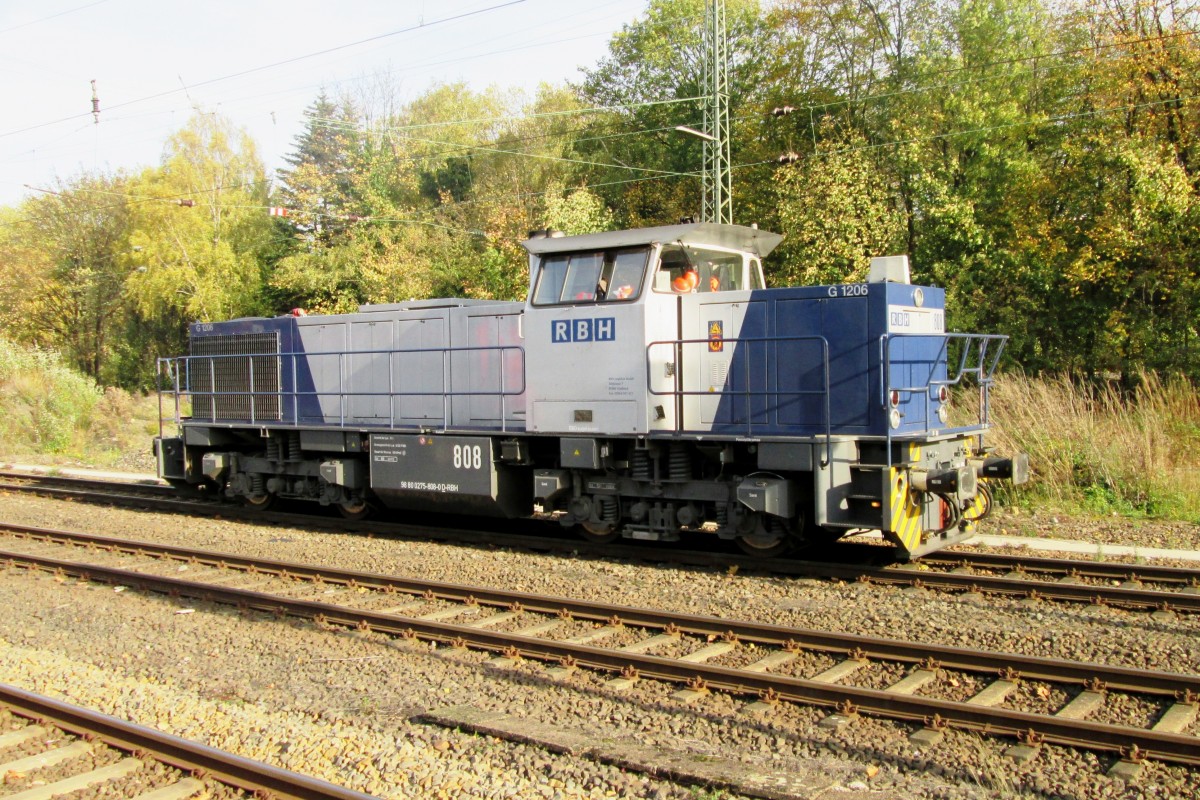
(258, 63)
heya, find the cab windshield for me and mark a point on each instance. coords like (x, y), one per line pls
(604, 276)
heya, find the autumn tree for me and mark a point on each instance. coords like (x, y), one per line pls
(64, 261)
(201, 232)
(835, 213)
(1130, 192)
(652, 80)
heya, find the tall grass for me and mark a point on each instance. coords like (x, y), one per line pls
(44, 403)
(1101, 449)
(49, 409)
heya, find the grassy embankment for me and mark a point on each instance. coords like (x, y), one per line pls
(52, 414)
(1093, 450)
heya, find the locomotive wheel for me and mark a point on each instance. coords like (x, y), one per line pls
(765, 545)
(261, 502)
(598, 532)
(355, 510)
(765, 537)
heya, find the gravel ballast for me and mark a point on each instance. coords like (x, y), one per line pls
(340, 705)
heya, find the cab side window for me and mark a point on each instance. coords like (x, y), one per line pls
(551, 279)
(591, 277)
(583, 278)
(756, 275)
(622, 276)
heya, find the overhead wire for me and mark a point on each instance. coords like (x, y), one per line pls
(826, 153)
(1002, 62)
(52, 16)
(275, 64)
(845, 101)
(746, 165)
(43, 152)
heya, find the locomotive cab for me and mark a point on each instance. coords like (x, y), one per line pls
(597, 301)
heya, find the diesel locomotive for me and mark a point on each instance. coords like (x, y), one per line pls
(650, 386)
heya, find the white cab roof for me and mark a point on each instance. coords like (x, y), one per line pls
(697, 234)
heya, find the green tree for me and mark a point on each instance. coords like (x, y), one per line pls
(653, 79)
(836, 214)
(201, 227)
(64, 260)
(319, 186)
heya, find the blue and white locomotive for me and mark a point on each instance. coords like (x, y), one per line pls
(650, 385)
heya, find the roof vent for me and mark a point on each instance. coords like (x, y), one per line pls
(889, 269)
(545, 233)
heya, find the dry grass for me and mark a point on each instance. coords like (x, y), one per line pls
(1101, 449)
(49, 410)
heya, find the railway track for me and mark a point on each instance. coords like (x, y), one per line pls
(932, 686)
(1137, 587)
(63, 749)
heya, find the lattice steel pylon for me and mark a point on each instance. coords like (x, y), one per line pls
(716, 180)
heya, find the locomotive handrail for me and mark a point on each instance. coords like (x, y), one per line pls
(981, 367)
(678, 392)
(178, 366)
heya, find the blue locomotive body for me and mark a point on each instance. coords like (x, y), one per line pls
(650, 385)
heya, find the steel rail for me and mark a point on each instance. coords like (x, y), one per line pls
(1124, 596)
(233, 770)
(95, 484)
(1035, 667)
(1075, 733)
(1105, 570)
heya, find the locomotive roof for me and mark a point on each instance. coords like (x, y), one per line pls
(736, 237)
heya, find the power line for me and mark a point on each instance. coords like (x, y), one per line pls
(284, 62)
(311, 87)
(1003, 62)
(53, 16)
(843, 151)
(986, 129)
(815, 154)
(538, 115)
(540, 156)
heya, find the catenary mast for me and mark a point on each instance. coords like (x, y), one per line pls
(716, 179)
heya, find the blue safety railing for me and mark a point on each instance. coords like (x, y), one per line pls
(977, 358)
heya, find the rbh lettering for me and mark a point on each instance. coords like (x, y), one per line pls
(601, 329)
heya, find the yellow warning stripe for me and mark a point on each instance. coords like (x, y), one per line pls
(906, 513)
